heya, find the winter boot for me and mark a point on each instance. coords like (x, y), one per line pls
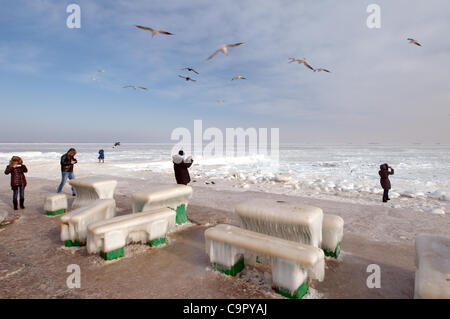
(22, 200)
(15, 204)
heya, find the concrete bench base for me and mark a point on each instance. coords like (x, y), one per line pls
(298, 294)
(56, 212)
(114, 254)
(335, 253)
(70, 243)
(230, 271)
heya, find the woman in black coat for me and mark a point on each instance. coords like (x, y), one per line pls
(384, 173)
(180, 166)
(18, 180)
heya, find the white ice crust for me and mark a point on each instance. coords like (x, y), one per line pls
(119, 231)
(74, 224)
(169, 197)
(296, 222)
(292, 262)
(55, 202)
(88, 190)
(332, 231)
(433, 267)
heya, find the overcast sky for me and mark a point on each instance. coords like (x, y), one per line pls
(381, 89)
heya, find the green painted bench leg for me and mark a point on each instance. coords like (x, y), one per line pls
(233, 271)
(334, 253)
(181, 217)
(298, 294)
(114, 254)
(70, 243)
(156, 242)
(56, 212)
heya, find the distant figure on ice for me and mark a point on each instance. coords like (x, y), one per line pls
(116, 144)
(384, 173)
(18, 180)
(67, 162)
(101, 155)
(180, 166)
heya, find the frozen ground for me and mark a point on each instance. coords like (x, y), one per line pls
(33, 261)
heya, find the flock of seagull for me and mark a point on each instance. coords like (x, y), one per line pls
(223, 49)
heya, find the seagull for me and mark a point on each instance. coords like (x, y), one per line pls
(412, 41)
(220, 101)
(322, 69)
(301, 61)
(191, 70)
(101, 71)
(153, 31)
(135, 87)
(187, 78)
(94, 79)
(223, 48)
(239, 77)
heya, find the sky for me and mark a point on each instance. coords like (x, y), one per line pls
(380, 89)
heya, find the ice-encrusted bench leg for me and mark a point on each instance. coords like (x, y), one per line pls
(335, 253)
(55, 204)
(332, 234)
(181, 217)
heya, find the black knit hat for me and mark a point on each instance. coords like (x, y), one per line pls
(181, 153)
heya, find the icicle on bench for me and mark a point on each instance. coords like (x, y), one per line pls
(432, 280)
(109, 237)
(88, 190)
(301, 223)
(175, 198)
(74, 225)
(55, 204)
(292, 263)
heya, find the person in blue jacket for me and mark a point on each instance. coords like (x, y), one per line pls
(101, 155)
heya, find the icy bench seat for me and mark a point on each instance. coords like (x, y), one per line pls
(74, 225)
(432, 279)
(55, 204)
(175, 197)
(300, 223)
(292, 263)
(88, 190)
(332, 234)
(109, 237)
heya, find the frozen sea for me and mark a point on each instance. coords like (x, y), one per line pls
(421, 171)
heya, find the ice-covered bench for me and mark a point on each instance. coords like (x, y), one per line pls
(55, 204)
(292, 263)
(74, 225)
(109, 237)
(88, 190)
(175, 197)
(433, 267)
(332, 234)
(300, 223)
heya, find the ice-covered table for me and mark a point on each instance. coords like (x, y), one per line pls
(88, 190)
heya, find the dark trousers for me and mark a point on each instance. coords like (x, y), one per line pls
(385, 195)
(20, 190)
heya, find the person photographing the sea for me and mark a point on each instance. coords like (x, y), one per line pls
(180, 166)
(385, 171)
(18, 180)
(67, 162)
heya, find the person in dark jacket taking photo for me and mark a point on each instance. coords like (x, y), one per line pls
(18, 180)
(180, 166)
(67, 162)
(385, 171)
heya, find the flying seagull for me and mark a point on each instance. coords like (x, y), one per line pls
(412, 41)
(224, 49)
(322, 69)
(135, 87)
(187, 78)
(301, 61)
(239, 77)
(153, 31)
(101, 71)
(94, 79)
(191, 70)
(220, 101)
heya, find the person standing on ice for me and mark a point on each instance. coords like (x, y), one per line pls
(67, 162)
(101, 155)
(180, 166)
(18, 180)
(384, 173)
